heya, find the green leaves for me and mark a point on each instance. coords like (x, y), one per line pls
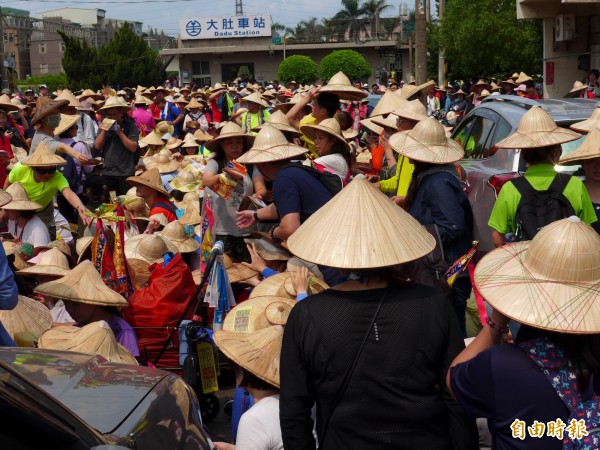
(352, 63)
(301, 69)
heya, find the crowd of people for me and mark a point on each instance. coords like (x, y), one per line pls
(348, 241)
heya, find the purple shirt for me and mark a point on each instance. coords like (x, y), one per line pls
(124, 334)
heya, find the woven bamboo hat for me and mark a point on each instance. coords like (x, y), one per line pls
(18, 103)
(192, 214)
(141, 100)
(389, 102)
(51, 263)
(239, 272)
(279, 120)
(258, 313)
(163, 128)
(230, 130)
(81, 246)
(256, 98)
(427, 142)
(6, 104)
(160, 218)
(550, 282)
(359, 237)
(66, 94)
(391, 121)
(43, 157)
(578, 86)
(414, 110)
(20, 201)
(201, 136)
(83, 284)
(315, 285)
(370, 125)
(589, 124)
(139, 270)
(46, 107)
(589, 149)
(5, 197)
(88, 93)
(258, 352)
(164, 164)
(148, 247)
(29, 315)
(189, 197)
(270, 145)
(485, 93)
(269, 251)
(194, 103)
(190, 141)
(271, 286)
(340, 85)
(114, 102)
(285, 107)
(152, 139)
(173, 143)
(329, 126)
(149, 178)
(486, 86)
(185, 181)
(174, 232)
(96, 338)
(537, 129)
(408, 90)
(523, 78)
(66, 122)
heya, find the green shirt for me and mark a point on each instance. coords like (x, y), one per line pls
(42, 193)
(540, 176)
(250, 121)
(398, 184)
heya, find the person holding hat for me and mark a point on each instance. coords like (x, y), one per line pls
(149, 186)
(176, 114)
(195, 119)
(257, 113)
(331, 146)
(142, 116)
(335, 360)
(22, 221)
(221, 104)
(551, 285)
(119, 146)
(539, 139)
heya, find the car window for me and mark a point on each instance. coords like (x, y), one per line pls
(465, 128)
(479, 138)
(567, 148)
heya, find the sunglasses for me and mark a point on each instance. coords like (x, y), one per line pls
(45, 171)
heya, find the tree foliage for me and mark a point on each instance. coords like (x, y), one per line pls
(352, 63)
(126, 60)
(299, 68)
(484, 38)
(54, 82)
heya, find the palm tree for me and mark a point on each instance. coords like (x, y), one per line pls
(373, 9)
(351, 16)
(313, 30)
(277, 27)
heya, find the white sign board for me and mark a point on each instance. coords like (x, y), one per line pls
(225, 27)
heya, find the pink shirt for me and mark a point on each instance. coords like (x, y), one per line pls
(143, 119)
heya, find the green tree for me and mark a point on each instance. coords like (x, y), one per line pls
(351, 15)
(352, 63)
(80, 63)
(299, 68)
(484, 38)
(372, 9)
(54, 82)
(277, 27)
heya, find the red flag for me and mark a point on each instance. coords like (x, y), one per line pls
(102, 258)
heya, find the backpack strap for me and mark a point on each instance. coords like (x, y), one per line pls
(523, 186)
(560, 182)
(165, 205)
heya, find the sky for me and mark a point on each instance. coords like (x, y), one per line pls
(166, 14)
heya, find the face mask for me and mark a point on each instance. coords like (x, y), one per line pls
(53, 121)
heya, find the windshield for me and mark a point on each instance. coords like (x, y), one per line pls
(568, 148)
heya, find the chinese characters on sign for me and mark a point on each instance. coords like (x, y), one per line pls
(576, 429)
(225, 27)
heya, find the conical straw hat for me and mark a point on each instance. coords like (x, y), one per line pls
(83, 243)
(148, 247)
(185, 181)
(66, 94)
(20, 201)
(18, 103)
(537, 129)
(43, 157)
(83, 284)
(330, 126)
(589, 149)
(173, 143)
(229, 130)
(577, 87)
(340, 85)
(194, 103)
(360, 237)
(369, 124)
(279, 120)
(5, 197)
(414, 110)
(271, 286)
(29, 315)
(239, 272)
(486, 86)
(256, 98)
(202, 136)
(139, 271)
(46, 107)
(96, 338)
(189, 197)
(523, 78)
(190, 140)
(391, 121)
(550, 282)
(408, 90)
(427, 142)
(270, 145)
(252, 315)
(163, 128)
(315, 286)
(114, 102)
(51, 263)
(164, 164)
(589, 124)
(66, 122)
(141, 100)
(6, 104)
(174, 232)
(150, 178)
(285, 107)
(494, 87)
(389, 101)
(269, 251)
(258, 352)
(88, 93)
(192, 214)
(152, 139)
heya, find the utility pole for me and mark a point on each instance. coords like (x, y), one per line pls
(3, 69)
(239, 8)
(420, 42)
(441, 57)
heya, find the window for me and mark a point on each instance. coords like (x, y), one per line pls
(43, 69)
(11, 37)
(61, 47)
(200, 68)
(42, 47)
(476, 137)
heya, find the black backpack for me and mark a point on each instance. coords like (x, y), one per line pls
(332, 182)
(536, 209)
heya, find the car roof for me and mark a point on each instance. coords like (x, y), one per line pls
(564, 111)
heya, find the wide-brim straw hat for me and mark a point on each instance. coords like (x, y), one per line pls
(589, 149)
(175, 233)
(258, 352)
(480, 83)
(5, 197)
(6, 104)
(258, 313)
(46, 107)
(66, 122)
(163, 128)
(279, 120)
(370, 125)
(272, 286)
(66, 94)
(285, 107)
(201, 136)
(315, 286)
(173, 143)
(51, 263)
(413, 110)
(141, 100)
(330, 126)
(391, 121)
(189, 197)
(185, 181)
(149, 178)
(230, 130)
(239, 272)
(164, 164)
(340, 85)
(389, 102)
(43, 156)
(139, 271)
(537, 129)
(359, 237)
(29, 315)
(427, 142)
(269, 251)
(88, 93)
(194, 103)
(152, 139)
(577, 87)
(148, 247)
(18, 103)
(551, 282)
(96, 338)
(256, 98)
(82, 245)
(192, 215)
(114, 102)
(83, 284)
(20, 201)
(589, 124)
(270, 145)
(409, 90)
(523, 78)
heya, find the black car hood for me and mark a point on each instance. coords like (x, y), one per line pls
(103, 394)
